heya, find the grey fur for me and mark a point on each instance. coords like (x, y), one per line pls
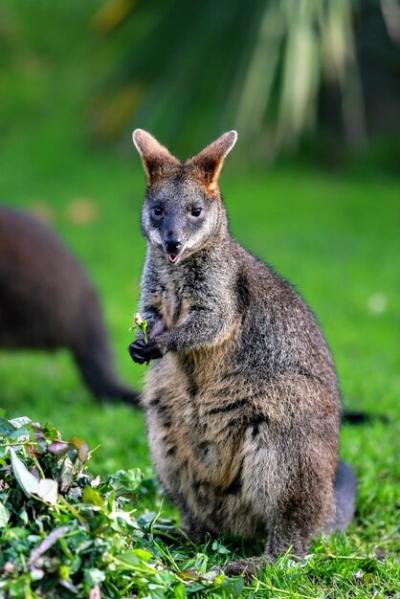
(243, 407)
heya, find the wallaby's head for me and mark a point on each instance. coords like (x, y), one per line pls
(182, 210)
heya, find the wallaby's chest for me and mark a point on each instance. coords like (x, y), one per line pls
(174, 302)
(184, 429)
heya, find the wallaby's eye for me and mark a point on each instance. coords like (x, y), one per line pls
(158, 211)
(195, 211)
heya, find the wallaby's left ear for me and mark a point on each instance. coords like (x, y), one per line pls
(208, 163)
(157, 160)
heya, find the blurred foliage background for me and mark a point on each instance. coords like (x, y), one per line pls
(316, 80)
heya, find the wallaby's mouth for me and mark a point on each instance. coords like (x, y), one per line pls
(173, 249)
(172, 258)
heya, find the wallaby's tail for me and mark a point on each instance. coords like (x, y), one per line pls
(101, 379)
(94, 359)
(349, 417)
(345, 494)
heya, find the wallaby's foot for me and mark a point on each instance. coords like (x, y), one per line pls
(248, 567)
(191, 530)
(142, 352)
(196, 535)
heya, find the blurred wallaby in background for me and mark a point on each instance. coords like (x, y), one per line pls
(48, 302)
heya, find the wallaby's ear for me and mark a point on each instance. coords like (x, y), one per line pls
(157, 160)
(208, 163)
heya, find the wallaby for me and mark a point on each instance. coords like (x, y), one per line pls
(242, 402)
(47, 302)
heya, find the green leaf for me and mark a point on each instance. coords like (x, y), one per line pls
(219, 548)
(232, 587)
(143, 554)
(51, 432)
(129, 558)
(20, 422)
(6, 428)
(90, 495)
(94, 576)
(179, 591)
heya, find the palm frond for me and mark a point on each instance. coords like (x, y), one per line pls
(202, 67)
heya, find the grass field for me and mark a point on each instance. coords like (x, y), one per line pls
(336, 237)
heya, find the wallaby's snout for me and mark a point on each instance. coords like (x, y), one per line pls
(168, 224)
(173, 246)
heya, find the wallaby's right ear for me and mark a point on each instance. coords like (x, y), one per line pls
(208, 163)
(157, 160)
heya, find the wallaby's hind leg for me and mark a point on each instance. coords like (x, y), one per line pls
(345, 495)
(345, 488)
(246, 567)
(294, 487)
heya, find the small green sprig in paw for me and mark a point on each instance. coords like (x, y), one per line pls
(139, 323)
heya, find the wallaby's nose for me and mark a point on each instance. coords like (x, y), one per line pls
(173, 246)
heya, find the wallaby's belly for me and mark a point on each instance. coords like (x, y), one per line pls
(198, 456)
(227, 468)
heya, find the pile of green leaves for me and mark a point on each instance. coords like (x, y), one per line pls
(65, 533)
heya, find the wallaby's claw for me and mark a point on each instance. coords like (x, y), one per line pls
(142, 352)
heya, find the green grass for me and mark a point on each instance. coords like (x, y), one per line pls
(337, 238)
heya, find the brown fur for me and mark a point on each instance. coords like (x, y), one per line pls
(47, 302)
(243, 407)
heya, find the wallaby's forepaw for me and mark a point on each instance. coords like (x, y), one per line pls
(142, 352)
(246, 567)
